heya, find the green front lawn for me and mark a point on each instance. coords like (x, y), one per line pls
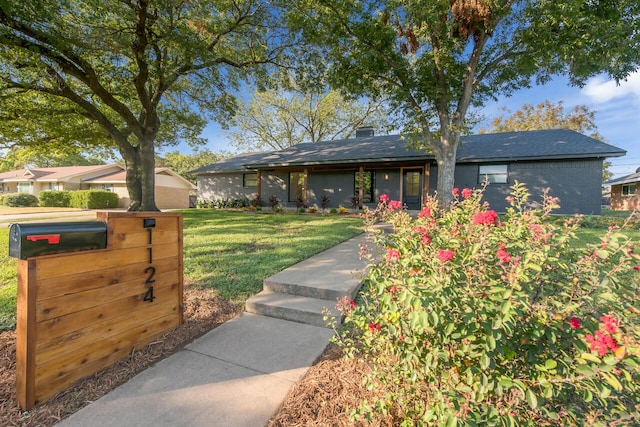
(227, 252)
(232, 252)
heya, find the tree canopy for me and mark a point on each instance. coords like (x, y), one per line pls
(29, 157)
(435, 60)
(280, 118)
(549, 115)
(135, 73)
(182, 164)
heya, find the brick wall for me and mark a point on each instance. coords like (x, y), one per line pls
(172, 198)
(623, 203)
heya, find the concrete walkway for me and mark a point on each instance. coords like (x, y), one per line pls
(239, 373)
(55, 216)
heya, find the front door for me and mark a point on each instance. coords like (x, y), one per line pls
(412, 186)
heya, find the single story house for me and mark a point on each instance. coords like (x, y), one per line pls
(567, 162)
(623, 195)
(172, 191)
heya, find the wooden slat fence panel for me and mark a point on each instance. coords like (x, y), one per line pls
(82, 311)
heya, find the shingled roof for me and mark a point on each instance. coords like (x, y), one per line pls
(508, 146)
(627, 179)
(232, 164)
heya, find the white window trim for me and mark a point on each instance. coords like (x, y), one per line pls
(486, 176)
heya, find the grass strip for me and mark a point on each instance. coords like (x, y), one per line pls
(229, 252)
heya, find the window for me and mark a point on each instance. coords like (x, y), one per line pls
(25, 187)
(296, 186)
(494, 174)
(250, 180)
(368, 188)
(629, 190)
(107, 187)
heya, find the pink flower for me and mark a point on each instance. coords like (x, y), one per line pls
(426, 240)
(352, 304)
(601, 342)
(636, 268)
(394, 205)
(419, 229)
(373, 327)
(393, 289)
(445, 255)
(392, 254)
(503, 255)
(455, 192)
(425, 213)
(485, 218)
(384, 198)
(609, 324)
(466, 193)
(574, 323)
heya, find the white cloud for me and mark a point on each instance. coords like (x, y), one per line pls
(600, 90)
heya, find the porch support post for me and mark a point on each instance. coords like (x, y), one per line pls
(259, 185)
(425, 185)
(360, 186)
(401, 194)
(305, 185)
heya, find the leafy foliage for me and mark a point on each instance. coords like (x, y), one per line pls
(434, 60)
(549, 115)
(277, 119)
(52, 198)
(471, 319)
(48, 155)
(137, 73)
(93, 199)
(20, 199)
(182, 164)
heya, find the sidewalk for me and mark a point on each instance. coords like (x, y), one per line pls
(236, 375)
(74, 215)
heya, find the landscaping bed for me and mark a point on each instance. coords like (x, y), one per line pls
(203, 312)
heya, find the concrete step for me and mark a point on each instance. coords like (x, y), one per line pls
(320, 290)
(295, 308)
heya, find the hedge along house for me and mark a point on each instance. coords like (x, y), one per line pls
(624, 192)
(172, 191)
(365, 167)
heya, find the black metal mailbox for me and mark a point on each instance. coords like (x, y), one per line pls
(33, 239)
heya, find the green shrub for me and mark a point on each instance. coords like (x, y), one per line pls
(52, 198)
(471, 319)
(20, 200)
(93, 199)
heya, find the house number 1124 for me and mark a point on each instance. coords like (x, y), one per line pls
(149, 224)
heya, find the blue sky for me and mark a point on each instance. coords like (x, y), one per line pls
(617, 110)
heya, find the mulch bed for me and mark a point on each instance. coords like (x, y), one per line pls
(327, 393)
(203, 312)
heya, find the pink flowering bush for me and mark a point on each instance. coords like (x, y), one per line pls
(471, 319)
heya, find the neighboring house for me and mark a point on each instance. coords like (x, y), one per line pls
(567, 162)
(172, 191)
(624, 196)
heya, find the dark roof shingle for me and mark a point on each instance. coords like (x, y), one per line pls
(508, 146)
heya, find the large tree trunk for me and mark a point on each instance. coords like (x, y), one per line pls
(133, 176)
(148, 178)
(445, 154)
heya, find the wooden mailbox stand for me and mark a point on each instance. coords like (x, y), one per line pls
(82, 311)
